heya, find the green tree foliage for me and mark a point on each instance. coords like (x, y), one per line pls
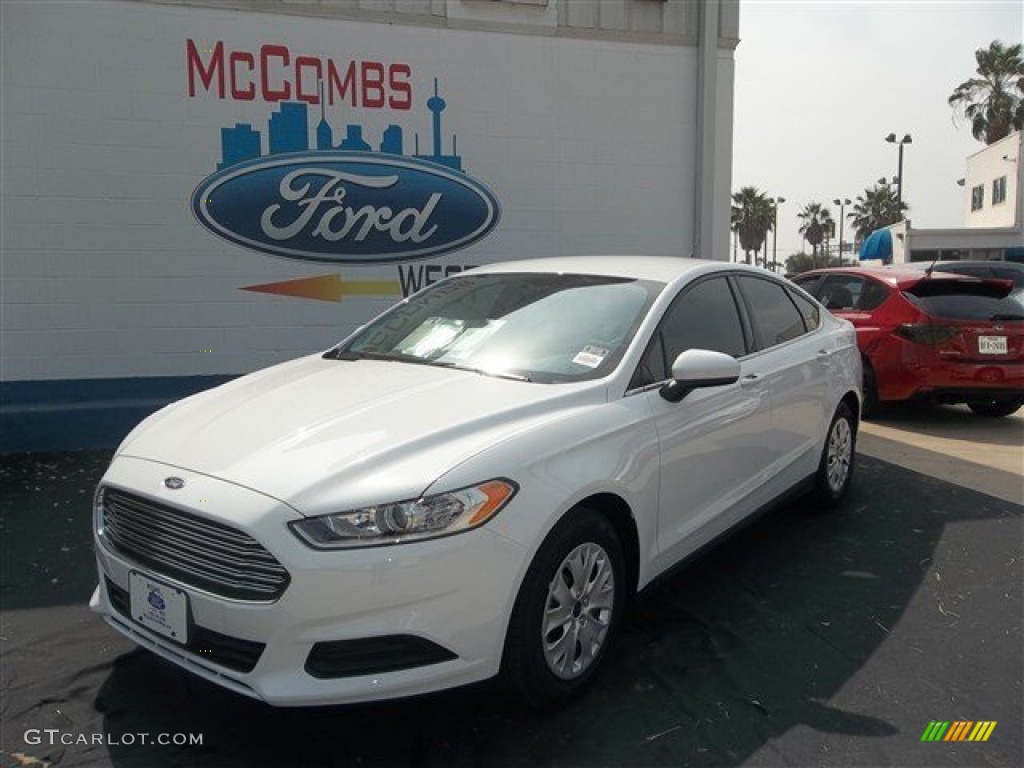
(802, 262)
(993, 101)
(753, 214)
(799, 262)
(876, 208)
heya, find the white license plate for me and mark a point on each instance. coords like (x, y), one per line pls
(992, 345)
(159, 607)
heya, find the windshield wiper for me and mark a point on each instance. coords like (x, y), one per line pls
(340, 355)
(337, 354)
(481, 371)
(1007, 317)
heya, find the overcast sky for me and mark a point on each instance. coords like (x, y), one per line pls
(820, 84)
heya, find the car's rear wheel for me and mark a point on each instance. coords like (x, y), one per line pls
(837, 457)
(994, 409)
(567, 611)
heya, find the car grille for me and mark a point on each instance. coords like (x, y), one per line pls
(207, 555)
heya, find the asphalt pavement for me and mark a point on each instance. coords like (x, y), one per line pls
(807, 639)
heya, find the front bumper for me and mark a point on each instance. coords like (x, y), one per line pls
(454, 594)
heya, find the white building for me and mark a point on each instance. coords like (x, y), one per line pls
(993, 225)
(195, 189)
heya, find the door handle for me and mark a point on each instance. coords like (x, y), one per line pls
(823, 357)
(750, 380)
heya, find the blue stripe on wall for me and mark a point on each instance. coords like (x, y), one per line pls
(74, 414)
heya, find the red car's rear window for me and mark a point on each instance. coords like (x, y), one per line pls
(969, 307)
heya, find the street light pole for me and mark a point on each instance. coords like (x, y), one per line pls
(891, 138)
(775, 231)
(842, 203)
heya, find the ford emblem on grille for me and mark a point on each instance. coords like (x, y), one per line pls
(174, 483)
(156, 601)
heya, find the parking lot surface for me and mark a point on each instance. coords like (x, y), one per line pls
(805, 640)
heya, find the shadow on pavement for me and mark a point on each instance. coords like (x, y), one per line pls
(952, 422)
(805, 639)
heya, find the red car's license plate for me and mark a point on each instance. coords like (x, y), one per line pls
(992, 345)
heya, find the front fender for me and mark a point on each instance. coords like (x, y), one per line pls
(602, 448)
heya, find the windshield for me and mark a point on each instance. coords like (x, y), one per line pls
(540, 327)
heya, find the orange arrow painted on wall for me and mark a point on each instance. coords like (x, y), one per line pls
(328, 288)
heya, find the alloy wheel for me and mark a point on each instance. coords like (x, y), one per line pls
(578, 611)
(840, 453)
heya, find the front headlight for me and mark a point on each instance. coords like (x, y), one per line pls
(403, 521)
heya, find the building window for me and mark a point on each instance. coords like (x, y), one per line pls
(999, 190)
(977, 197)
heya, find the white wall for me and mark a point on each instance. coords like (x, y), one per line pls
(1001, 159)
(588, 146)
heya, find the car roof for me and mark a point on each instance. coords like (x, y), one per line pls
(664, 269)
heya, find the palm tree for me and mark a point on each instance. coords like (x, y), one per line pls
(876, 208)
(993, 101)
(752, 218)
(815, 222)
(830, 232)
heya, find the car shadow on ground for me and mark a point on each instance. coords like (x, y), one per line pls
(753, 640)
(952, 422)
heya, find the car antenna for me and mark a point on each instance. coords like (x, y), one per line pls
(931, 267)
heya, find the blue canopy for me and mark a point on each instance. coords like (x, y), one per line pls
(1013, 254)
(877, 245)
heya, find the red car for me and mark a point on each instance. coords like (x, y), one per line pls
(931, 336)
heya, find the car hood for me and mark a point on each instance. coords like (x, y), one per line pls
(326, 435)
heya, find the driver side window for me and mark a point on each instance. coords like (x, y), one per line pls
(703, 316)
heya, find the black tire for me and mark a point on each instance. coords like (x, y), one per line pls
(837, 459)
(994, 409)
(871, 407)
(526, 670)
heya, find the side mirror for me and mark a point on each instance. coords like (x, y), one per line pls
(696, 368)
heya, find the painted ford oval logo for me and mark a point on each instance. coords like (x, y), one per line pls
(155, 600)
(345, 207)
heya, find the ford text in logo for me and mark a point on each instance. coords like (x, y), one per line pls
(345, 207)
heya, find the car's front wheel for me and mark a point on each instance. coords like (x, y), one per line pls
(567, 611)
(836, 466)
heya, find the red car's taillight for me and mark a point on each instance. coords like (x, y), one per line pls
(928, 334)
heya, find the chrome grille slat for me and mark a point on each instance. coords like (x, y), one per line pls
(203, 553)
(152, 515)
(219, 585)
(190, 543)
(173, 555)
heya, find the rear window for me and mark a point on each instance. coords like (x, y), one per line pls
(996, 269)
(961, 307)
(960, 286)
(1006, 273)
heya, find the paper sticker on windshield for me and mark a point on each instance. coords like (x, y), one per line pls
(590, 356)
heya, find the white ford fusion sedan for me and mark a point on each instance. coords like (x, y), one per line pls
(475, 482)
